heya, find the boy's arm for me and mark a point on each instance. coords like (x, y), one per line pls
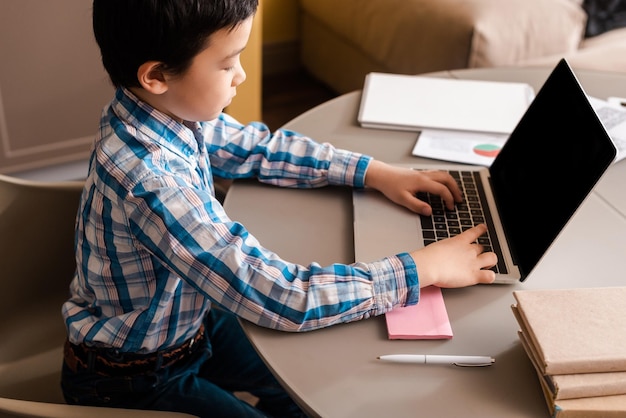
(193, 238)
(282, 158)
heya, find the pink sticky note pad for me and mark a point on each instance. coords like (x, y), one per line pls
(428, 320)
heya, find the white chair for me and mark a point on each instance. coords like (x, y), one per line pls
(36, 265)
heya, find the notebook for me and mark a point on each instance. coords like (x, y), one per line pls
(408, 102)
(552, 160)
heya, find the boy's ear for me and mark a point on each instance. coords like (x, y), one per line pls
(151, 77)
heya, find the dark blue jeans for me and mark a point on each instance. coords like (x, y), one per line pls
(201, 385)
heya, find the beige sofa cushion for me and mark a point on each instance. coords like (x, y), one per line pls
(511, 31)
(605, 52)
(415, 36)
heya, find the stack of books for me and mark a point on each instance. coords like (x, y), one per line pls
(576, 340)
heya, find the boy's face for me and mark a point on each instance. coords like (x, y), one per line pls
(209, 85)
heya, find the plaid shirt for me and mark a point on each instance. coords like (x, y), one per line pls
(154, 248)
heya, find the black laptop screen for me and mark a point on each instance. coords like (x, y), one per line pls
(550, 163)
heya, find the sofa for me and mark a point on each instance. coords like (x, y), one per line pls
(342, 41)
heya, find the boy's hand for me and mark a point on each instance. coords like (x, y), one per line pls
(456, 261)
(400, 185)
(453, 262)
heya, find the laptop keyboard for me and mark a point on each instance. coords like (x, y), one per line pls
(472, 211)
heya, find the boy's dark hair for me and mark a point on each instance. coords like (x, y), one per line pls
(132, 32)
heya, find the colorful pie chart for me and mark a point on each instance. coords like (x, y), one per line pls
(487, 150)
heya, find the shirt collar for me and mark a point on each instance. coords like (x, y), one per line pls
(155, 124)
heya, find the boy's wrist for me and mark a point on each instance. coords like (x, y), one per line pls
(374, 173)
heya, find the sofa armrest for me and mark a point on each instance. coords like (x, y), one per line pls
(416, 36)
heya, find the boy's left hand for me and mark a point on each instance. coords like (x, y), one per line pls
(400, 185)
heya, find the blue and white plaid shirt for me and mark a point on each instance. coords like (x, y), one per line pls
(154, 247)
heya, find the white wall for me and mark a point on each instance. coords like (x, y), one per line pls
(52, 84)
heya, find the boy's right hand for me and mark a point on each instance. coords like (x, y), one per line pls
(455, 262)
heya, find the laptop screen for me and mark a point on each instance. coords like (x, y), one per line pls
(550, 163)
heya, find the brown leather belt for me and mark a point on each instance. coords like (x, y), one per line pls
(110, 362)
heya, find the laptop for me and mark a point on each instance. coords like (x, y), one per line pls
(552, 160)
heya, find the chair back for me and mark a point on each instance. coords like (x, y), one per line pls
(36, 239)
(36, 265)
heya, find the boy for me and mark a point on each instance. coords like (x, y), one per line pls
(161, 269)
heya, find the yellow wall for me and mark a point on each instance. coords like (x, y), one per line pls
(246, 106)
(276, 22)
(280, 21)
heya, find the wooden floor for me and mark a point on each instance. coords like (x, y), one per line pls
(286, 96)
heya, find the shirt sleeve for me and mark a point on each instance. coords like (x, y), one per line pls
(284, 158)
(187, 231)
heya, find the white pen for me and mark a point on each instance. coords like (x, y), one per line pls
(468, 361)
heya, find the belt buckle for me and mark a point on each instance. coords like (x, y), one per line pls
(192, 342)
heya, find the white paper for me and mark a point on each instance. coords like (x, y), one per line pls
(613, 116)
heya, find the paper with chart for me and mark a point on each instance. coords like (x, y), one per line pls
(458, 146)
(481, 148)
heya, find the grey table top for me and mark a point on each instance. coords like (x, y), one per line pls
(333, 372)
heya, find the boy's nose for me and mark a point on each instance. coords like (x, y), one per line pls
(240, 77)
